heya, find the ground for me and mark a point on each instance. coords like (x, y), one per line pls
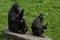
(50, 9)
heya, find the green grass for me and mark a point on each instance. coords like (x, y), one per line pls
(50, 9)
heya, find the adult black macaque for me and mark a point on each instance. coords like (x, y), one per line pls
(37, 27)
(16, 22)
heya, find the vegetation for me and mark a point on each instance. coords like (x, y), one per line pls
(50, 9)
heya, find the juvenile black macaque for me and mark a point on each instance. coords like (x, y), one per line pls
(22, 24)
(37, 27)
(16, 22)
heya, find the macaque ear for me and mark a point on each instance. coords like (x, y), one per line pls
(21, 13)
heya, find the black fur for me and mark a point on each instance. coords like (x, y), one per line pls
(15, 17)
(37, 27)
(22, 24)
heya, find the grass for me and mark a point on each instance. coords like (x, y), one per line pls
(50, 9)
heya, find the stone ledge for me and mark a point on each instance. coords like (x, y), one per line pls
(14, 36)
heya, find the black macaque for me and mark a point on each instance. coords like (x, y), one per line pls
(37, 27)
(22, 24)
(16, 22)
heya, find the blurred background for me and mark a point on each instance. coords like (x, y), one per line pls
(49, 8)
